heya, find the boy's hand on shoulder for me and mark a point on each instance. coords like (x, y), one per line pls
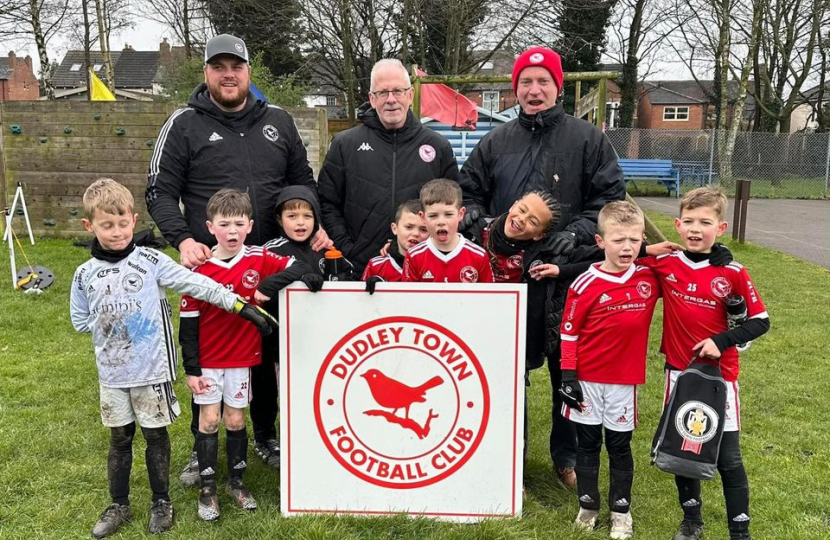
(264, 322)
(662, 248)
(198, 385)
(261, 298)
(571, 390)
(313, 281)
(707, 349)
(541, 271)
(721, 256)
(384, 251)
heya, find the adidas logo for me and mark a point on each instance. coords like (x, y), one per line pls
(741, 518)
(207, 471)
(428, 275)
(604, 298)
(671, 278)
(239, 395)
(586, 498)
(622, 419)
(240, 465)
(621, 502)
(215, 137)
(365, 147)
(691, 502)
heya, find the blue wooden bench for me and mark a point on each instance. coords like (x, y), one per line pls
(656, 170)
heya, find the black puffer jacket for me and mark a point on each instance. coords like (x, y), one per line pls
(549, 151)
(369, 171)
(201, 149)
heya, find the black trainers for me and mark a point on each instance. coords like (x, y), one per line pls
(111, 520)
(190, 474)
(269, 451)
(208, 504)
(161, 517)
(241, 496)
(689, 530)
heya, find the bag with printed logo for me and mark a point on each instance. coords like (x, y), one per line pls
(687, 442)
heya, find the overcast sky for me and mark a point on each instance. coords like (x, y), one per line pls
(147, 35)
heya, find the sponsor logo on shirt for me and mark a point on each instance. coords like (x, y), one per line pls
(689, 299)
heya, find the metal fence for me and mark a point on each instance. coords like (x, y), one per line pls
(780, 165)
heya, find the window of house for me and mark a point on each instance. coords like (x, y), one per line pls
(676, 114)
(75, 67)
(331, 101)
(97, 67)
(490, 100)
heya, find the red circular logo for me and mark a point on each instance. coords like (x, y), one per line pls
(644, 288)
(721, 287)
(401, 402)
(250, 279)
(427, 153)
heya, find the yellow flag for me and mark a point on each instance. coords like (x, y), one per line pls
(100, 92)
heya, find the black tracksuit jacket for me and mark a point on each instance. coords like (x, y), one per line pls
(369, 171)
(549, 151)
(201, 149)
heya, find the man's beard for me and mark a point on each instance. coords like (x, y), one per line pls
(229, 102)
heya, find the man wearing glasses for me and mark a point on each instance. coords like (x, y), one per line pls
(372, 168)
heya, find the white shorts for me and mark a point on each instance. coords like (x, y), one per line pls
(611, 405)
(732, 420)
(151, 406)
(231, 385)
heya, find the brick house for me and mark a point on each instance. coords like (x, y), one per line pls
(683, 104)
(493, 97)
(17, 79)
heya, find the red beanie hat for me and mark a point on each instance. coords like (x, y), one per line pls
(542, 57)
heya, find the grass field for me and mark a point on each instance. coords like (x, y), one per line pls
(789, 187)
(53, 446)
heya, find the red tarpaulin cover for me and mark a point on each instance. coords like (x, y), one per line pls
(442, 103)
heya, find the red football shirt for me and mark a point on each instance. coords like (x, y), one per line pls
(694, 308)
(467, 263)
(226, 340)
(506, 268)
(605, 324)
(385, 267)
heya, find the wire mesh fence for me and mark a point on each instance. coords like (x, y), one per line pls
(780, 165)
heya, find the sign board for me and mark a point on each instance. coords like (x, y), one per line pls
(407, 401)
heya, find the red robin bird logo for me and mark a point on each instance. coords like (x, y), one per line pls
(396, 395)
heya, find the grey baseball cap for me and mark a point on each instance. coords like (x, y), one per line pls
(226, 44)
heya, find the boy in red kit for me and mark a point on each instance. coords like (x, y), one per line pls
(604, 336)
(219, 352)
(695, 326)
(409, 230)
(445, 256)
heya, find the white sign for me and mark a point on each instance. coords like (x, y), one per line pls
(407, 401)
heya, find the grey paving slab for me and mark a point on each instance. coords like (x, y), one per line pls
(800, 228)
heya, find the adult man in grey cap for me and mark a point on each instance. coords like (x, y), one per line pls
(227, 138)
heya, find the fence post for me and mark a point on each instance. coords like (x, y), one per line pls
(826, 166)
(711, 155)
(741, 202)
(3, 159)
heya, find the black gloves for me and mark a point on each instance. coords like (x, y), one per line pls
(721, 256)
(264, 322)
(313, 281)
(371, 282)
(571, 390)
(473, 214)
(563, 242)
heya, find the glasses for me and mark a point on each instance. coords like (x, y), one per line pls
(397, 92)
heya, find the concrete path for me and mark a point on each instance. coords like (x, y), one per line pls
(800, 228)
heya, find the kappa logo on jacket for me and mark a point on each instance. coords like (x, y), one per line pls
(365, 147)
(215, 137)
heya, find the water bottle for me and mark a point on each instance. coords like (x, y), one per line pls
(334, 264)
(736, 315)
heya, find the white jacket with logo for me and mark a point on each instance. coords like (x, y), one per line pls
(124, 305)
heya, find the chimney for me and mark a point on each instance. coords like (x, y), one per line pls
(12, 59)
(164, 47)
(128, 47)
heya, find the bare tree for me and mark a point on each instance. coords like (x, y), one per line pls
(40, 21)
(185, 18)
